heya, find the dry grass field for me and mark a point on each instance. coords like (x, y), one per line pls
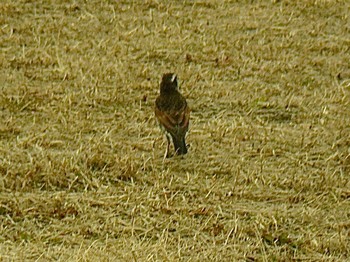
(82, 175)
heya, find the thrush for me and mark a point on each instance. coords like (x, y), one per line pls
(172, 113)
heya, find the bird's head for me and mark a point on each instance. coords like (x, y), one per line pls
(169, 83)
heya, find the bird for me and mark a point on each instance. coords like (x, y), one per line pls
(172, 114)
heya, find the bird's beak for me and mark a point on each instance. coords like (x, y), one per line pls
(173, 78)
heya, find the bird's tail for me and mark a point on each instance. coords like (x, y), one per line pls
(180, 145)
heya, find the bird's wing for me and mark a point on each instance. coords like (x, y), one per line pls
(175, 122)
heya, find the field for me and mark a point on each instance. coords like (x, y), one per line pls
(82, 174)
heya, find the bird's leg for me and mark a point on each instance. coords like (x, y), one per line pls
(166, 155)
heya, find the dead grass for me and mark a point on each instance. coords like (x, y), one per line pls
(267, 174)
